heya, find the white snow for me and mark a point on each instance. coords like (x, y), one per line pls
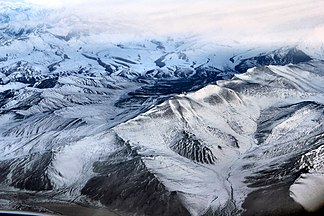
(308, 190)
(12, 85)
(73, 163)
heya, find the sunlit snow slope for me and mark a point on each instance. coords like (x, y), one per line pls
(215, 145)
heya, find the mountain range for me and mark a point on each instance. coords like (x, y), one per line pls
(164, 126)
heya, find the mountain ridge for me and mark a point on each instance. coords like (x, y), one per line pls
(169, 126)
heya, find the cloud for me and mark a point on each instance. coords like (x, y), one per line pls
(243, 20)
(47, 4)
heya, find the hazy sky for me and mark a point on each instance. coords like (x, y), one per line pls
(249, 20)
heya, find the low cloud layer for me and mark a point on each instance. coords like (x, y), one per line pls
(241, 20)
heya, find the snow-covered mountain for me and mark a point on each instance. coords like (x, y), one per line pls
(167, 126)
(36, 44)
(196, 153)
